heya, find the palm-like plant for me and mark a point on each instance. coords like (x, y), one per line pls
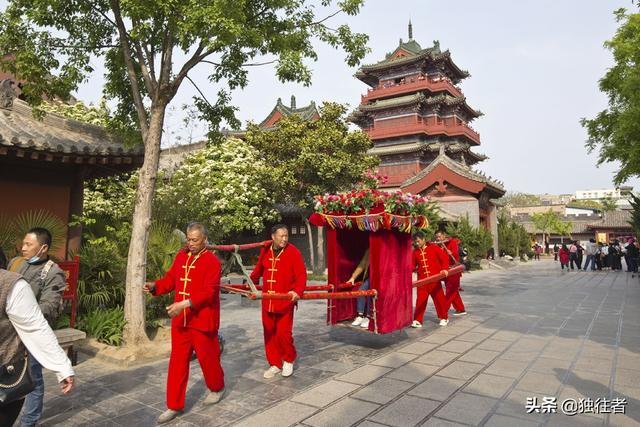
(7, 239)
(163, 245)
(13, 229)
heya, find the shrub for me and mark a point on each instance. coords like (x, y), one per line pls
(476, 240)
(105, 325)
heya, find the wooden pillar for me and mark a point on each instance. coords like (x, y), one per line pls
(76, 199)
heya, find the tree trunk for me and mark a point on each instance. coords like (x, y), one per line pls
(312, 253)
(134, 310)
(320, 247)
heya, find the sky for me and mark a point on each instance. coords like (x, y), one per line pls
(534, 67)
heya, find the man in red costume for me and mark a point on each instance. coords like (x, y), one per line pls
(282, 270)
(452, 283)
(194, 278)
(429, 259)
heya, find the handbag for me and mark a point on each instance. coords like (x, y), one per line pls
(15, 380)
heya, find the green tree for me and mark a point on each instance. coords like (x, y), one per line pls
(615, 131)
(213, 186)
(476, 240)
(513, 238)
(98, 116)
(562, 228)
(309, 158)
(149, 49)
(608, 204)
(516, 199)
(589, 204)
(635, 214)
(545, 221)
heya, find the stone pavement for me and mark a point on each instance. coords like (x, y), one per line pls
(532, 332)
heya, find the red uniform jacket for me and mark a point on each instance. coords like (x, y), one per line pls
(453, 244)
(430, 260)
(280, 274)
(564, 256)
(202, 287)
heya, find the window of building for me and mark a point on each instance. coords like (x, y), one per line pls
(294, 229)
(303, 230)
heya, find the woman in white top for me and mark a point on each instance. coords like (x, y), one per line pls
(34, 332)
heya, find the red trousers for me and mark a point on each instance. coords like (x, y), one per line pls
(452, 293)
(278, 337)
(439, 300)
(183, 342)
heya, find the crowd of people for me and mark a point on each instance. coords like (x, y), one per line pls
(599, 256)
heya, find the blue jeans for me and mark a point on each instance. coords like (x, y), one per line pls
(364, 302)
(590, 259)
(32, 409)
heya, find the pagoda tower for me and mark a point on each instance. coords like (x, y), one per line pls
(419, 122)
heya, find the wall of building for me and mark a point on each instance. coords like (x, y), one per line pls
(462, 208)
(595, 194)
(20, 197)
(528, 210)
(171, 158)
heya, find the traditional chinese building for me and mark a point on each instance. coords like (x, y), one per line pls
(419, 122)
(45, 162)
(308, 113)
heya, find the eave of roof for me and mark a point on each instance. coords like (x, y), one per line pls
(59, 136)
(458, 168)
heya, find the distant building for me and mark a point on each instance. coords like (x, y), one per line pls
(580, 228)
(603, 227)
(561, 209)
(621, 195)
(554, 199)
(530, 210)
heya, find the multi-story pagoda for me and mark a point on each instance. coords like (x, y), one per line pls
(418, 120)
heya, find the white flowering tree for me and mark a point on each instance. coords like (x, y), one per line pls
(221, 186)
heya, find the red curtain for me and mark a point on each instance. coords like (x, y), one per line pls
(345, 248)
(389, 273)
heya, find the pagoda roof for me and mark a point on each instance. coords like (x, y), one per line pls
(306, 113)
(457, 168)
(420, 98)
(409, 53)
(412, 147)
(458, 147)
(57, 138)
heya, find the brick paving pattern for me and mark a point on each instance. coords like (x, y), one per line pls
(532, 331)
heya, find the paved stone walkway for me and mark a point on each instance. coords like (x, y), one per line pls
(532, 332)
